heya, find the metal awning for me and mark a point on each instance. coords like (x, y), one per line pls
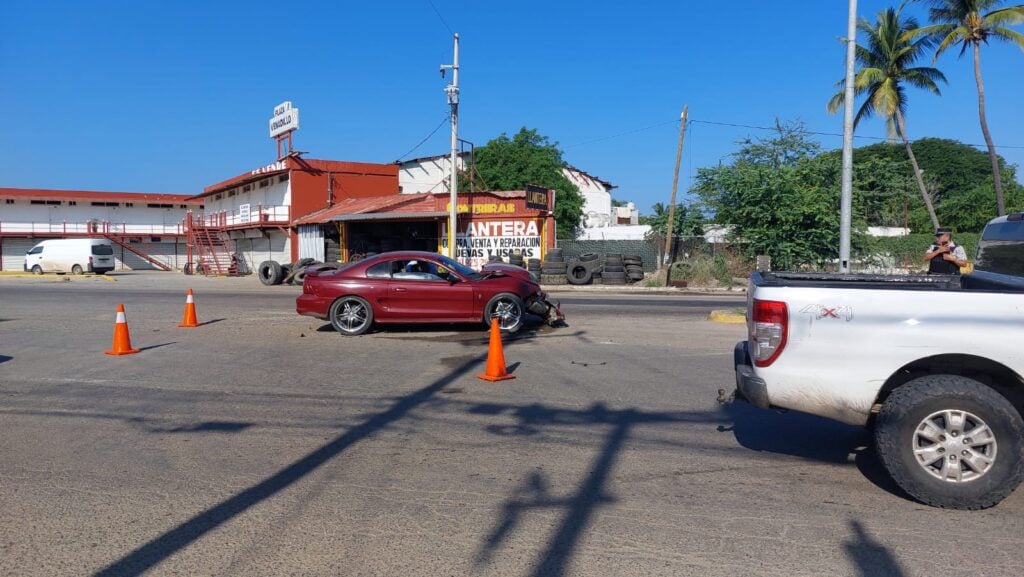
(387, 216)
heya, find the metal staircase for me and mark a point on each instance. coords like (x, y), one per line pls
(120, 242)
(211, 250)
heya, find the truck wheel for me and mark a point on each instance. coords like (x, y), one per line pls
(951, 442)
(270, 272)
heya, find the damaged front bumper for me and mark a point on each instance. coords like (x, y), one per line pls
(539, 305)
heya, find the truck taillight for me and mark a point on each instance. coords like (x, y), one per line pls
(769, 326)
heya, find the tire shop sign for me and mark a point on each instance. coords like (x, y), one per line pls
(487, 238)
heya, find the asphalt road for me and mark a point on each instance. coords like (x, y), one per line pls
(265, 444)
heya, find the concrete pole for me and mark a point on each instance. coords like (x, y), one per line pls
(845, 208)
(453, 100)
(675, 185)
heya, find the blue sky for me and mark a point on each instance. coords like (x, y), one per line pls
(174, 96)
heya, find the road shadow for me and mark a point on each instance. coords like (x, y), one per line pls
(151, 347)
(158, 549)
(869, 557)
(5, 358)
(206, 427)
(214, 321)
(808, 437)
(581, 505)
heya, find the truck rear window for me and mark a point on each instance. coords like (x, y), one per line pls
(102, 249)
(1013, 230)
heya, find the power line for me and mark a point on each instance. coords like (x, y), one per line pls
(426, 138)
(441, 18)
(753, 127)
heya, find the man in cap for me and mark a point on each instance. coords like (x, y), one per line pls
(945, 256)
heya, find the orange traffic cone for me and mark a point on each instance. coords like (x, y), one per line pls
(496, 370)
(189, 321)
(122, 340)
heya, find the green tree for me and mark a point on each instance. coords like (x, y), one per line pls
(969, 24)
(689, 221)
(529, 158)
(780, 196)
(886, 67)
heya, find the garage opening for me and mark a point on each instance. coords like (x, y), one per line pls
(367, 238)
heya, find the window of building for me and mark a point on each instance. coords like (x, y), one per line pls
(183, 206)
(155, 239)
(160, 206)
(9, 201)
(129, 204)
(247, 188)
(283, 178)
(105, 204)
(231, 193)
(72, 203)
(265, 183)
(49, 202)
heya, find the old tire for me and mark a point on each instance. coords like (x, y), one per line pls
(351, 315)
(579, 274)
(613, 268)
(951, 442)
(553, 279)
(303, 262)
(588, 257)
(509, 308)
(270, 273)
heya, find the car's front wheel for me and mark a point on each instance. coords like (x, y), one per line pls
(952, 442)
(351, 315)
(508, 309)
(37, 270)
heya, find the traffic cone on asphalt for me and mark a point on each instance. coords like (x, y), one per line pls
(189, 321)
(122, 340)
(496, 370)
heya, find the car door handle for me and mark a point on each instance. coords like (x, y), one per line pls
(400, 289)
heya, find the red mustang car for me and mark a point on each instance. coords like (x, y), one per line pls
(421, 287)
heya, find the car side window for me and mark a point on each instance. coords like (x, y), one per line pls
(36, 250)
(415, 270)
(379, 270)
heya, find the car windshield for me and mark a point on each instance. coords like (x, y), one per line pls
(459, 268)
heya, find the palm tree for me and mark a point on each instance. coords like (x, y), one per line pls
(886, 66)
(971, 23)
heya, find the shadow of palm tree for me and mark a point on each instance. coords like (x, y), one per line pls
(869, 557)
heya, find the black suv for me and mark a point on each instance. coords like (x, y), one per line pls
(1001, 249)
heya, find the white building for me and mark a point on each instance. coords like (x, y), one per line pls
(433, 173)
(146, 229)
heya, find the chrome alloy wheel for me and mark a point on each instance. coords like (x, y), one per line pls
(509, 314)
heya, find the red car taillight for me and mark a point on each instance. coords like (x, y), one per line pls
(769, 327)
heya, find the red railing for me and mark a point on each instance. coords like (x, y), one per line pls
(90, 228)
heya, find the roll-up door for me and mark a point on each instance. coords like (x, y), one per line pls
(14, 250)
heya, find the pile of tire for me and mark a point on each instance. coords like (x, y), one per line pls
(583, 269)
(516, 259)
(553, 269)
(634, 267)
(271, 272)
(614, 270)
(533, 265)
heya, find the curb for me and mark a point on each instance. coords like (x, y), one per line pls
(727, 317)
(621, 290)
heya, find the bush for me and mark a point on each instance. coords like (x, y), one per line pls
(705, 270)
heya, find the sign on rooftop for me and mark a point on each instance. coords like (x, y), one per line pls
(285, 119)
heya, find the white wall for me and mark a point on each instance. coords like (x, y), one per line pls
(431, 175)
(23, 216)
(275, 193)
(269, 246)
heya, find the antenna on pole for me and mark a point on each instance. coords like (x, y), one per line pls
(452, 90)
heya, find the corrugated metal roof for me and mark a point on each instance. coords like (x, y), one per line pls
(394, 205)
(50, 194)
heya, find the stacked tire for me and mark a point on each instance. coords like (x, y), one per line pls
(614, 270)
(516, 259)
(553, 269)
(534, 265)
(634, 268)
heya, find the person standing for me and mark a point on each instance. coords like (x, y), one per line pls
(945, 256)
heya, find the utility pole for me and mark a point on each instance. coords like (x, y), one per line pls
(452, 90)
(847, 177)
(675, 186)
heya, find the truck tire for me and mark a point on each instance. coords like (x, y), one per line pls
(579, 274)
(951, 442)
(270, 272)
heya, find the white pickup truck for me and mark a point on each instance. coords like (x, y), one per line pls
(934, 365)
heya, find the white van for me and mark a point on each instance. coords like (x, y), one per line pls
(73, 255)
